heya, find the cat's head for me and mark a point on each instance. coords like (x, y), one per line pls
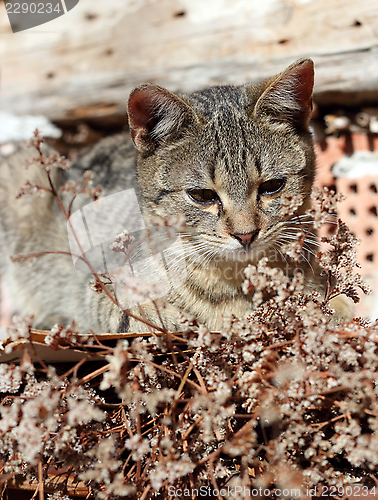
(224, 157)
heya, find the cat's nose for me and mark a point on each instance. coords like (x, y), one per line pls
(246, 239)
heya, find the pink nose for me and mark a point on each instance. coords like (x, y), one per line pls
(246, 239)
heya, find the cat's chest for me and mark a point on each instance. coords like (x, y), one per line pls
(212, 291)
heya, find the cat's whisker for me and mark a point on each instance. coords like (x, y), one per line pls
(308, 236)
(194, 251)
(199, 257)
(294, 230)
(186, 256)
(308, 262)
(304, 257)
(276, 247)
(174, 263)
(308, 239)
(290, 239)
(312, 221)
(305, 247)
(294, 236)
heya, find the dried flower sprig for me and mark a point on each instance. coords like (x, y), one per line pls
(122, 242)
(324, 205)
(84, 187)
(290, 203)
(339, 264)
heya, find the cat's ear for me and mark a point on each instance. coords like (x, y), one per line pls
(157, 116)
(288, 97)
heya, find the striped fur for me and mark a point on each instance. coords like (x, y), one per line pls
(229, 140)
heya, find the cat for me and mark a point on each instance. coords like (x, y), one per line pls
(221, 158)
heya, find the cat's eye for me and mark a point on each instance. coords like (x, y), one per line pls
(272, 186)
(203, 196)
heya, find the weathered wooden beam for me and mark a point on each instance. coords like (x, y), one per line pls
(84, 64)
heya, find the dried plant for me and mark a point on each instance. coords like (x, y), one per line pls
(280, 403)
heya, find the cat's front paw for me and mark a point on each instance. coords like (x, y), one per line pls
(343, 308)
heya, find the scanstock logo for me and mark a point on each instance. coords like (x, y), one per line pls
(28, 14)
(153, 265)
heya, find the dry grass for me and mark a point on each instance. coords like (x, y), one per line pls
(281, 400)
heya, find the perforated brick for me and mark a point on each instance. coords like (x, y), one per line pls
(360, 211)
(360, 208)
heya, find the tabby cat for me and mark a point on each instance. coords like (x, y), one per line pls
(222, 158)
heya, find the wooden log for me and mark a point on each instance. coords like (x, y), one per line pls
(83, 65)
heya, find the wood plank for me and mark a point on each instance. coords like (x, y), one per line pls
(84, 64)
